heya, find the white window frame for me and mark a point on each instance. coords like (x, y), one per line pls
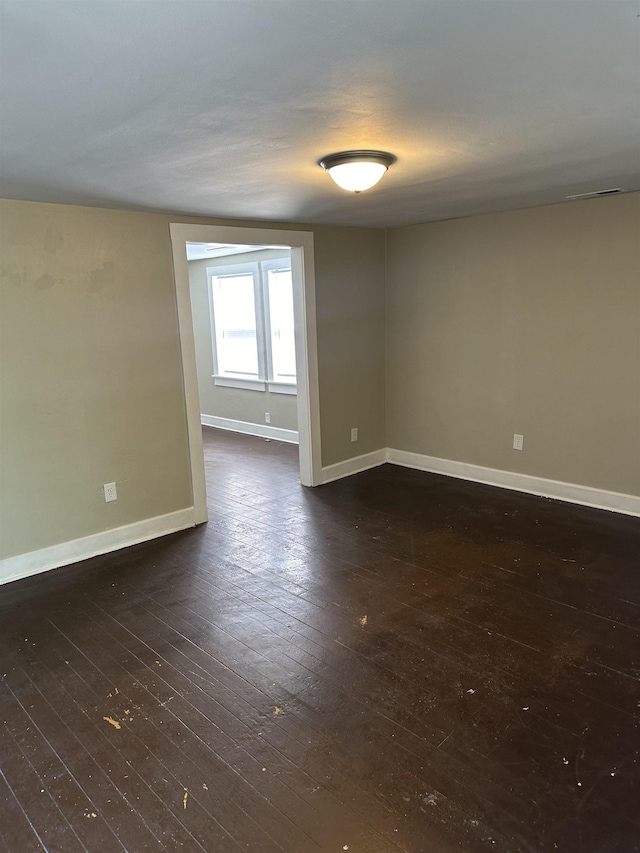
(275, 386)
(264, 381)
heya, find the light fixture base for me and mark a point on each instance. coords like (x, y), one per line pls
(364, 155)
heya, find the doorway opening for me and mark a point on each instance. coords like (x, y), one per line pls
(266, 363)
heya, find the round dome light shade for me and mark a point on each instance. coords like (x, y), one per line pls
(357, 176)
(357, 170)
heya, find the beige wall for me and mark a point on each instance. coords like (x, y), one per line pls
(350, 304)
(527, 322)
(91, 386)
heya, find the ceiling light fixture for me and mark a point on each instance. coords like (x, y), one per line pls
(357, 170)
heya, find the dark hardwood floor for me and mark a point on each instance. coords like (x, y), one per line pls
(393, 662)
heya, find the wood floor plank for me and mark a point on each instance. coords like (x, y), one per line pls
(212, 814)
(396, 661)
(103, 743)
(40, 810)
(17, 831)
(52, 768)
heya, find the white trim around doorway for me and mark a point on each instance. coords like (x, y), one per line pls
(304, 307)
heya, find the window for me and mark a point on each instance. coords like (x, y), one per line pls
(235, 325)
(252, 326)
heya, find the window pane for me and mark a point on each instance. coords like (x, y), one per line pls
(235, 322)
(283, 353)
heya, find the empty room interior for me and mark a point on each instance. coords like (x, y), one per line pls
(320, 426)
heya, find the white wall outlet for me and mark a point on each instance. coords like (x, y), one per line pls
(518, 441)
(110, 492)
(354, 434)
(267, 417)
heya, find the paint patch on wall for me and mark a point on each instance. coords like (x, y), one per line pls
(103, 277)
(46, 281)
(14, 275)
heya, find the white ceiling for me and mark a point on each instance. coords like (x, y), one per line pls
(223, 107)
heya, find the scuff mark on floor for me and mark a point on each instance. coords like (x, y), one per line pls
(445, 740)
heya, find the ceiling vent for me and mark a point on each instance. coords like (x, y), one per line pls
(597, 193)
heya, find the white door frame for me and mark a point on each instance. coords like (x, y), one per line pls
(304, 309)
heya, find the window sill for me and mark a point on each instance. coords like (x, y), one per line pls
(255, 384)
(282, 387)
(237, 382)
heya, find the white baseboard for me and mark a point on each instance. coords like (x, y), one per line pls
(261, 430)
(24, 565)
(35, 562)
(570, 492)
(354, 465)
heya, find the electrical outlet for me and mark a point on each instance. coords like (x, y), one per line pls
(267, 417)
(518, 441)
(110, 492)
(354, 434)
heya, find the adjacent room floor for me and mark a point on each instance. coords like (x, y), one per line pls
(397, 661)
